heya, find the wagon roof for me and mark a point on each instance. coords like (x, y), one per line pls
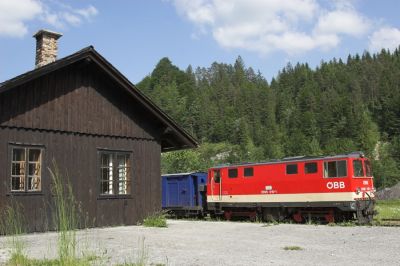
(182, 174)
(297, 159)
(174, 136)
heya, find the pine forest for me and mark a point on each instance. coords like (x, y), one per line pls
(237, 115)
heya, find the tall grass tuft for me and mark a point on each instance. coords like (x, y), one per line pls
(12, 224)
(65, 217)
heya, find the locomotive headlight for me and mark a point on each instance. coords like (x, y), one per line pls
(358, 190)
(352, 205)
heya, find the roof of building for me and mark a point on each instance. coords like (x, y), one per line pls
(180, 139)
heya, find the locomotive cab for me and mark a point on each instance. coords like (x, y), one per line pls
(363, 187)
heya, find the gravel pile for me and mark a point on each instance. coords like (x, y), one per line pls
(389, 193)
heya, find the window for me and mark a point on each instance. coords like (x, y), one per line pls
(248, 172)
(114, 173)
(358, 169)
(368, 169)
(217, 176)
(291, 169)
(26, 169)
(335, 169)
(232, 173)
(310, 168)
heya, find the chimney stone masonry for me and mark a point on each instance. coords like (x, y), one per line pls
(46, 47)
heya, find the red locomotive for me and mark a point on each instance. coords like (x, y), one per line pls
(330, 188)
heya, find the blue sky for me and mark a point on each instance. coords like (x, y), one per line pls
(135, 35)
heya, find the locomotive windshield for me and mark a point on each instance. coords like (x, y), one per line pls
(358, 169)
(368, 169)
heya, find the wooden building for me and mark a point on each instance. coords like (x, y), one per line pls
(105, 136)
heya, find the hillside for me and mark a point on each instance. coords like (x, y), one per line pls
(238, 116)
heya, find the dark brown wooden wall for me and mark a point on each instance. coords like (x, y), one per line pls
(80, 99)
(77, 159)
(74, 112)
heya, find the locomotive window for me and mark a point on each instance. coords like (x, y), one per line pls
(335, 169)
(232, 173)
(291, 169)
(342, 168)
(217, 176)
(358, 169)
(248, 172)
(310, 168)
(368, 168)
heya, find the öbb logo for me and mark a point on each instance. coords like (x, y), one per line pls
(335, 185)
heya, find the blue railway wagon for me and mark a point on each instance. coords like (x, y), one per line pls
(184, 194)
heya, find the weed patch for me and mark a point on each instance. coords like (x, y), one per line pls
(293, 248)
(156, 219)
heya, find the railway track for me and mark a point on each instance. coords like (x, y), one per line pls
(390, 222)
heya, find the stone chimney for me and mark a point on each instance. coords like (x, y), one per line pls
(46, 47)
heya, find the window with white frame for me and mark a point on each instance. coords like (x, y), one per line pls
(114, 173)
(26, 174)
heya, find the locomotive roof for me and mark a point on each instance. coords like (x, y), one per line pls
(357, 154)
(188, 173)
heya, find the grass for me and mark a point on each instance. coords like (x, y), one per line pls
(388, 209)
(12, 224)
(293, 248)
(344, 224)
(17, 260)
(156, 219)
(65, 219)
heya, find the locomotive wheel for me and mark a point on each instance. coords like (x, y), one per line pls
(363, 217)
(273, 215)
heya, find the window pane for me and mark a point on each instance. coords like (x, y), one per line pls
(248, 171)
(105, 159)
(106, 187)
(34, 155)
(217, 176)
(114, 173)
(368, 168)
(18, 169)
(342, 168)
(232, 173)
(17, 183)
(122, 160)
(358, 168)
(291, 169)
(330, 169)
(310, 168)
(18, 154)
(34, 171)
(106, 174)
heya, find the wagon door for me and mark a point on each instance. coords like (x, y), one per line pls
(184, 191)
(216, 184)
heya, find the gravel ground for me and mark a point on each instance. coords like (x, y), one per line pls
(229, 243)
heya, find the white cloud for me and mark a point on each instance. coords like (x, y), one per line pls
(386, 37)
(71, 18)
(343, 21)
(88, 12)
(294, 26)
(15, 16)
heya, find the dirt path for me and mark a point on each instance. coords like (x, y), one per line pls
(231, 243)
